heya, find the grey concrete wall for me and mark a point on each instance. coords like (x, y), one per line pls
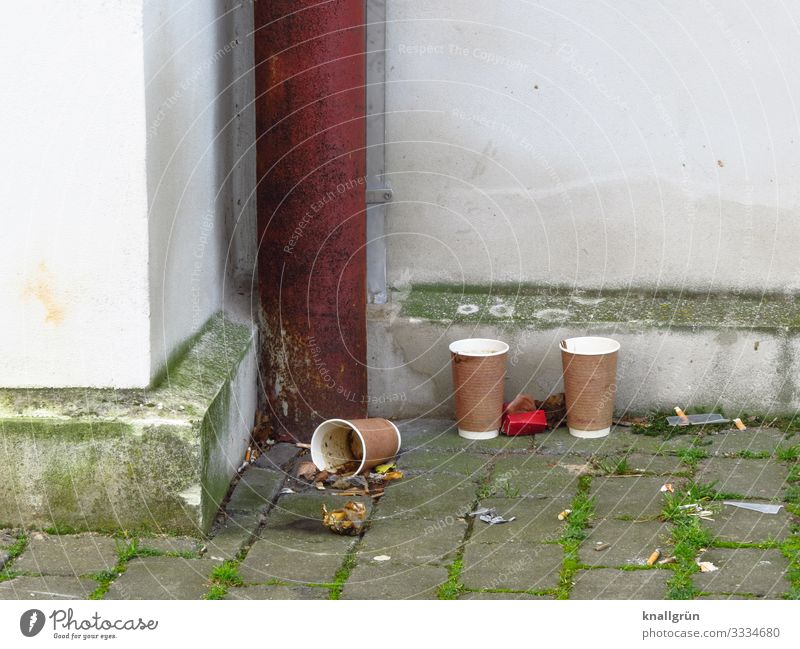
(594, 144)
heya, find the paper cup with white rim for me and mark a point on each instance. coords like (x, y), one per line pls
(590, 384)
(365, 442)
(479, 372)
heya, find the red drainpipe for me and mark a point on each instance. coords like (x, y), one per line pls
(310, 112)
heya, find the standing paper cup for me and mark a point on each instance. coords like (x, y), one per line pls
(361, 443)
(479, 372)
(590, 384)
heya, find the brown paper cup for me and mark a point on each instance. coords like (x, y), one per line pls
(479, 372)
(369, 442)
(590, 384)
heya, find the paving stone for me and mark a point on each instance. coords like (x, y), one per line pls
(745, 526)
(423, 461)
(430, 434)
(765, 479)
(607, 583)
(536, 476)
(745, 570)
(296, 522)
(560, 442)
(278, 457)
(231, 536)
(255, 490)
(442, 434)
(631, 543)
(752, 440)
(279, 559)
(638, 497)
(536, 520)
(277, 592)
(479, 595)
(48, 587)
(393, 580)
(669, 444)
(171, 544)
(431, 497)
(515, 566)
(413, 542)
(162, 578)
(7, 538)
(73, 555)
(4, 559)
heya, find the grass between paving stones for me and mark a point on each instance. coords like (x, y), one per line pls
(13, 551)
(612, 465)
(752, 455)
(222, 577)
(792, 494)
(573, 534)
(791, 550)
(691, 456)
(788, 453)
(344, 571)
(688, 536)
(128, 549)
(453, 587)
(786, 424)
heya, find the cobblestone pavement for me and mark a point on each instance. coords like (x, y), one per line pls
(422, 544)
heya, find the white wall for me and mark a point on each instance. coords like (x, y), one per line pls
(74, 297)
(201, 162)
(594, 144)
(128, 175)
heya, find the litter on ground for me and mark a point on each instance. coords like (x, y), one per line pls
(707, 566)
(756, 507)
(347, 520)
(654, 557)
(491, 516)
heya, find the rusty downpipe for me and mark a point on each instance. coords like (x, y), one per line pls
(310, 119)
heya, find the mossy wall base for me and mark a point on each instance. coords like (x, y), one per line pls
(157, 460)
(737, 353)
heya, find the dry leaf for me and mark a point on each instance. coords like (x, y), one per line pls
(707, 566)
(668, 487)
(307, 470)
(393, 475)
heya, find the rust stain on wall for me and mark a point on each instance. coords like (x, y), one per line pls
(40, 287)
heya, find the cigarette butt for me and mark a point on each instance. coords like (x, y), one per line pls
(739, 424)
(601, 546)
(564, 514)
(667, 560)
(682, 415)
(248, 454)
(654, 557)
